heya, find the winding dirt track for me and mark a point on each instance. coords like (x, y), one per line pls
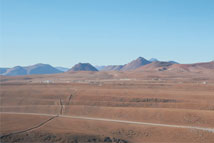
(118, 121)
(29, 129)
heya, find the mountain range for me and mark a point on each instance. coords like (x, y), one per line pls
(29, 70)
(139, 64)
(130, 66)
(140, 61)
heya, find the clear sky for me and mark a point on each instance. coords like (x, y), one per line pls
(103, 32)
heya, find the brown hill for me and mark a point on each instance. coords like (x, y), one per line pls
(160, 66)
(207, 66)
(135, 64)
(168, 66)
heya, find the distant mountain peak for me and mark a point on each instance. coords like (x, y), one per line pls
(83, 67)
(41, 69)
(140, 61)
(140, 58)
(33, 69)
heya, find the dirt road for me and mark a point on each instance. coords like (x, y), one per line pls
(118, 121)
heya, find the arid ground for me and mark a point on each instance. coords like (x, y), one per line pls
(119, 107)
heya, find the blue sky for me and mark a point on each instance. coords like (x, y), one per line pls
(103, 32)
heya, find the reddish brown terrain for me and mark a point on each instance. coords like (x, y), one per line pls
(169, 105)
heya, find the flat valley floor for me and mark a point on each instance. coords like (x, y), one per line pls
(107, 108)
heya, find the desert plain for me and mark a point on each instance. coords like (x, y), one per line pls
(108, 107)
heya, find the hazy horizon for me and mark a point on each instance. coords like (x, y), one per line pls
(64, 33)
